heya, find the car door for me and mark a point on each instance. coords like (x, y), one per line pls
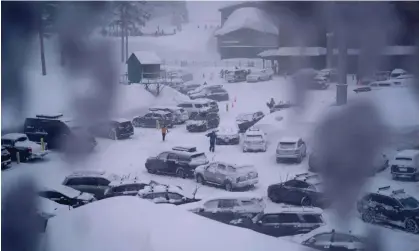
(172, 162)
(290, 224)
(320, 241)
(227, 210)
(209, 173)
(268, 224)
(292, 191)
(221, 174)
(160, 163)
(391, 209)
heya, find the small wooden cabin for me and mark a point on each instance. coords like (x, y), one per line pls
(143, 65)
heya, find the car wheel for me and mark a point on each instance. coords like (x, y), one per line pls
(228, 186)
(306, 202)
(151, 170)
(300, 159)
(411, 226)
(368, 216)
(200, 179)
(180, 173)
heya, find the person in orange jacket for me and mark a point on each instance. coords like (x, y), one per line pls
(164, 131)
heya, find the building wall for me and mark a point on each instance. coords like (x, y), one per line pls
(245, 43)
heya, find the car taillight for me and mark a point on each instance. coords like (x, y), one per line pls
(30, 150)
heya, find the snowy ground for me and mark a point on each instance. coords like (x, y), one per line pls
(128, 156)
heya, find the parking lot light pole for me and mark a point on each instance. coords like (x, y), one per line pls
(342, 87)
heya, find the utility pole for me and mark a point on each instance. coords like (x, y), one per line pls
(339, 33)
(329, 49)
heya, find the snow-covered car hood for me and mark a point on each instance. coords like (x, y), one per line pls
(86, 196)
(30, 144)
(195, 122)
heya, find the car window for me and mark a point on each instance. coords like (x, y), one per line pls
(160, 195)
(6, 142)
(211, 204)
(163, 156)
(311, 218)
(323, 237)
(22, 139)
(389, 202)
(119, 189)
(212, 167)
(172, 156)
(76, 181)
(289, 218)
(270, 218)
(102, 182)
(174, 196)
(221, 167)
(227, 203)
(198, 105)
(339, 237)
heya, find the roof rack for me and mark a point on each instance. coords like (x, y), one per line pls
(398, 191)
(184, 149)
(384, 188)
(302, 174)
(50, 116)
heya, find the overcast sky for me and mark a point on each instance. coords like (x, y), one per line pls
(204, 11)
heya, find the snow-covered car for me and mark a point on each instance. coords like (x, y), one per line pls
(318, 83)
(260, 75)
(237, 75)
(160, 194)
(48, 208)
(202, 122)
(228, 135)
(127, 187)
(6, 158)
(19, 143)
(405, 164)
(280, 106)
(194, 107)
(205, 87)
(95, 182)
(154, 119)
(291, 148)
(377, 85)
(246, 120)
(65, 195)
(188, 87)
(179, 115)
(283, 221)
(330, 75)
(225, 208)
(213, 94)
(228, 176)
(326, 238)
(254, 139)
(397, 72)
(213, 106)
(404, 80)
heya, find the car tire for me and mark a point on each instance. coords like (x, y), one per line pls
(228, 186)
(411, 226)
(306, 202)
(180, 173)
(200, 179)
(368, 216)
(150, 170)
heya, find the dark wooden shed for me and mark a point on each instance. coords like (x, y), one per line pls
(143, 65)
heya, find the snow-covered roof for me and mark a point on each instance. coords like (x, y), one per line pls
(160, 112)
(409, 153)
(13, 136)
(127, 223)
(164, 107)
(248, 18)
(288, 208)
(147, 57)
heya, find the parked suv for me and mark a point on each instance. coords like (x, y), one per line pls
(228, 135)
(65, 195)
(19, 143)
(154, 119)
(228, 176)
(94, 182)
(113, 129)
(6, 158)
(291, 148)
(57, 131)
(254, 140)
(213, 94)
(179, 115)
(194, 107)
(392, 207)
(283, 221)
(213, 106)
(127, 187)
(162, 194)
(202, 122)
(246, 120)
(226, 208)
(303, 190)
(406, 164)
(180, 161)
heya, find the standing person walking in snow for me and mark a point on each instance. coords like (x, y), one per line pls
(212, 136)
(164, 131)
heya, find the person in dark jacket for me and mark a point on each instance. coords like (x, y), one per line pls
(271, 103)
(212, 136)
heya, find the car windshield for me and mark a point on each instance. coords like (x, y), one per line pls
(199, 159)
(287, 145)
(409, 203)
(22, 139)
(404, 158)
(254, 137)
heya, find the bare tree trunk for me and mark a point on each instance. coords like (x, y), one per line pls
(41, 43)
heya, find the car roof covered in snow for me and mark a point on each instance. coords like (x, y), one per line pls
(68, 191)
(146, 219)
(233, 129)
(94, 173)
(120, 120)
(398, 71)
(147, 57)
(389, 191)
(161, 189)
(235, 165)
(160, 112)
(204, 100)
(289, 139)
(292, 209)
(408, 153)
(130, 181)
(248, 18)
(254, 131)
(13, 136)
(164, 107)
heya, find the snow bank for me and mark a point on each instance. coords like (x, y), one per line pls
(129, 223)
(248, 18)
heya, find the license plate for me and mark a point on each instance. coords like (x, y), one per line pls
(402, 169)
